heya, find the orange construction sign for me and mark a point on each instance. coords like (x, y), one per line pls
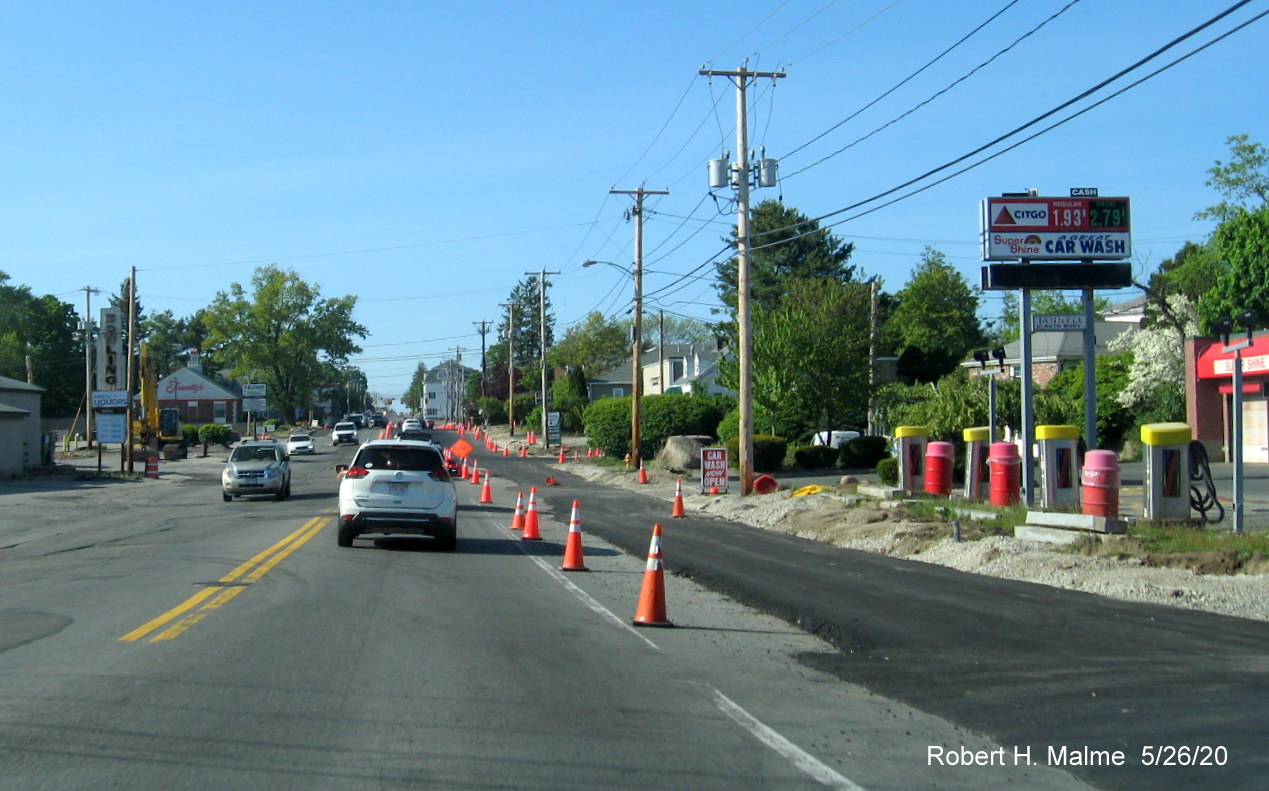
(461, 448)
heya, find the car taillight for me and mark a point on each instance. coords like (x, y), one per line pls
(356, 472)
(439, 475)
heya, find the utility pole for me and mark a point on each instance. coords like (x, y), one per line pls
(636, 344)
(511, 366)
(86, 333)
(483, 328)
(542, 344)
(661, 351)
(741, 79)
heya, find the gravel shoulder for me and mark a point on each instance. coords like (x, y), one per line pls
(887, 528)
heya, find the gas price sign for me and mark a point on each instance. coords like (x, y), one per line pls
(1056, 229)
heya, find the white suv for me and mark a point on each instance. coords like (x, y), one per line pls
(397, 487)
(344, 432)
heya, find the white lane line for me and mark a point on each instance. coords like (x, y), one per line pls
(569, 586)
(795, 755)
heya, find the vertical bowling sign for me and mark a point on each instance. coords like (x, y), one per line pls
(713, 470)
(111, 374)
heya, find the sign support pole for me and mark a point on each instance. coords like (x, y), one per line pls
(1028, 396)
(1090, 372)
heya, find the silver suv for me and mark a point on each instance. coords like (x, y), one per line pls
(257, 467)
(397, 487)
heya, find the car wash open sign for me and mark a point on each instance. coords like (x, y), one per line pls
(1056, 229)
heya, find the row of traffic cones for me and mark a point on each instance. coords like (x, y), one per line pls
(651, 610)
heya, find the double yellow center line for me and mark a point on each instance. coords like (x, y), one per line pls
(213, 597)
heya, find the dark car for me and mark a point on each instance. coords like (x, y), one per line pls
(415, 434)
(378, 421)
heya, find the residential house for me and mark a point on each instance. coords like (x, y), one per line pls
(1051, 352)
(444, 391)
(676, 368)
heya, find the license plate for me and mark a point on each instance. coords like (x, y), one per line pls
(397, 488)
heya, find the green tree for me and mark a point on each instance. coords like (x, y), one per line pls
(280, 334)
(934, 326)
(171, 339)
(785, 246)
(1243, 242)
(1243, 180)
(416, 393)
(526, 333)
(595, 345)
(1112, 376)
(810, 356)
(44, 329)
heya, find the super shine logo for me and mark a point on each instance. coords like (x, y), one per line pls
(1021, 215)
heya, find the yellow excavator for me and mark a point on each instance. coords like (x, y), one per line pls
(157, 429)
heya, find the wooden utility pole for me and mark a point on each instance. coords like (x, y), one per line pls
(741, 79)
(541, 275)
(483, 328)
(511, 367)
(636, 345)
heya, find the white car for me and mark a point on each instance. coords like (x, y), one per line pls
(397, 487)
(411, 424)
(300, 443)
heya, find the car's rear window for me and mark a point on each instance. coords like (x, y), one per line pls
(390, 458)
(254, 453)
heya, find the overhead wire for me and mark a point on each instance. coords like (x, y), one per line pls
(1085, 94)
(909, 78)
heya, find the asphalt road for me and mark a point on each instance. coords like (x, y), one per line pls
(1032, 667)
(154, 637)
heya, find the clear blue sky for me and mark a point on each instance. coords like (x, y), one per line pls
(424, 155)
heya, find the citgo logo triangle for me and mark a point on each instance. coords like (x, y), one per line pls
(1004, 218)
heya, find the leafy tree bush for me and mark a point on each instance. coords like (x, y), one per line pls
(768, 452)
(815, 457)
(888, 471)
(607, 422)
(729, 425)
(493, 409)
(862, 453)
(190, 434)
(215, 434)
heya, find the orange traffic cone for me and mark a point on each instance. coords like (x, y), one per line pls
(506, 450)
(678, 512)
(532, 529)
(573, 549)
(475, 475)
(524, 451)
(462, 471)
(562, 458)
(651, 610)
(517, 519)
(643, 474)
(486, 494)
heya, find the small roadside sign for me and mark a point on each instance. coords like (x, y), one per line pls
(250, 390)
(110, 399)
(253, 405)
(713, 470)
(554, 434)
(1057, 322)
(111, 428)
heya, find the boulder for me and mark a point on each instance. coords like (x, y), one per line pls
(683, 453)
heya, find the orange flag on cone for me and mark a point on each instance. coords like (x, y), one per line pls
(517, 520)
(678, 500)
(573, 549)
(532, 530)
(651, 610)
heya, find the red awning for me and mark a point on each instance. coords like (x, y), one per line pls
(1216, 363)
(1252, 389)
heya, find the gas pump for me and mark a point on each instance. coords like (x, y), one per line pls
(1058, 466)
(912, 442)
(1167, 470)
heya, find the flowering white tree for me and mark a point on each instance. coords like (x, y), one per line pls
(1158, 357)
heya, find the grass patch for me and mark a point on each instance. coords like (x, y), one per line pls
(1161, 538)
